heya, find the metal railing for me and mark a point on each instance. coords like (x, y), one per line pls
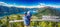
(35, 20)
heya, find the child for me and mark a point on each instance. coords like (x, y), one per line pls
(27, 18)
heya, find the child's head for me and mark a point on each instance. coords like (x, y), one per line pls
(25, 13)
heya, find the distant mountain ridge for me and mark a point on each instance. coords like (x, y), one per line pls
(4, 10)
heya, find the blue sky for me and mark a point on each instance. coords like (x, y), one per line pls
(32, 2)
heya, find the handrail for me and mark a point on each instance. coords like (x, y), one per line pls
(54, 20)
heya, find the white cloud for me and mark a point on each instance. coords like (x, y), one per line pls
(5, 4)
(54, 6)
(41, 5)
(9, 5)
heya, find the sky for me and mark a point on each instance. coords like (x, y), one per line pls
(31, 3)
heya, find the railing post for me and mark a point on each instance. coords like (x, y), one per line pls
(11, 24)
(7, 21)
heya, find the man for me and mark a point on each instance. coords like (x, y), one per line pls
(27, 18)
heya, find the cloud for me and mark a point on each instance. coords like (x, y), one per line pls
(5, 4)
(54, 6)
(41, 5)
(10, 5)
(44, 5)
(37, 6)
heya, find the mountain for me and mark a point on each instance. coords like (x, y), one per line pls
(4, 10)
(47, 11)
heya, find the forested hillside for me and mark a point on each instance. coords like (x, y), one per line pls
(11, 14)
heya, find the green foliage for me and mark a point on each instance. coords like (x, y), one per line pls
(19, 17)
(58, 24)
(42, 11)
(0, 22)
